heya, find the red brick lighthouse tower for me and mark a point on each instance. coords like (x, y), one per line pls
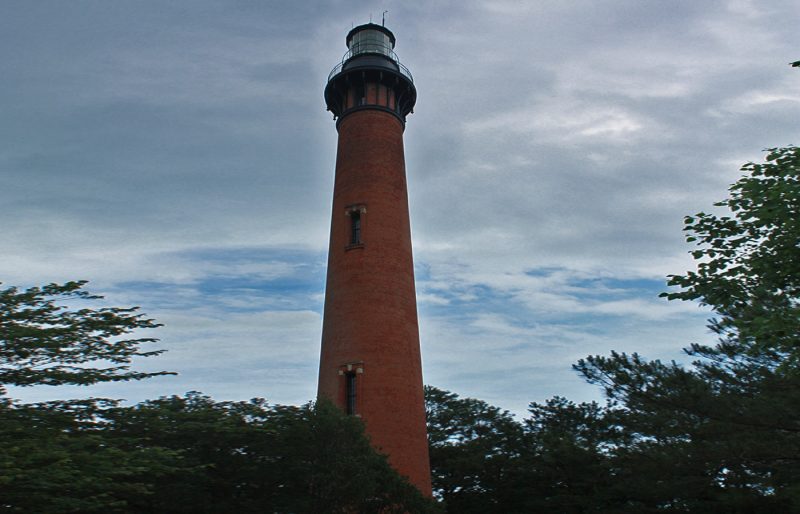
(370, 361)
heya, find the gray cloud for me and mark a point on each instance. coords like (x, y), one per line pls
(166, 150)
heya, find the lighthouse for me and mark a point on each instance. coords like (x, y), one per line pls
(370, 362)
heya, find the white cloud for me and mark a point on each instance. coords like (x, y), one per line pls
(554, 150)
(758, 101)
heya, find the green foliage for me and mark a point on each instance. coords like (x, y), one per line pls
(724, 435)
(172, 455)
(472, 447)
(56, 457)
(720, 436)
(568, 458)
(252, 457)
(749, 263)
(194, 455)
(46, 339)
(483, 460)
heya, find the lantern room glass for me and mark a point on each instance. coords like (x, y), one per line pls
(370, 41)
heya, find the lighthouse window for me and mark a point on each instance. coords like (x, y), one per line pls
(350, 393)
(370, 41)
(355, 228)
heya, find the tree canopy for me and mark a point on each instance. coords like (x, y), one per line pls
(191, 454)
(173, 454)
(720, 435)
(49, 336)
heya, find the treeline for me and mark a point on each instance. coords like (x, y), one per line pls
(193, 455)
(719, 436)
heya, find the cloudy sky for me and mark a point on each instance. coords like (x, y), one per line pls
(179, 156)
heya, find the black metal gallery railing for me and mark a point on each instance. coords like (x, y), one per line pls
(370, 47)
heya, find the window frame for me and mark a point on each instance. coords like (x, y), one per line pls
(350, 393)
(354, 237)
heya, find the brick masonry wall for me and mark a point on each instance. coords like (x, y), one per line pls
(370, 317)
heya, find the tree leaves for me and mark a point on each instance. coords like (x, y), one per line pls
(49, 337)
(731, 420)
(193, 455)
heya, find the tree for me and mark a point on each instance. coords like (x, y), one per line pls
(175, 454)
(719, 436)
(191, 454)
(46, 337)
(473, 446)
(567, 467)
(749, 269)
(58, 457)
(724, 435)
(556, 460)
(253, 457)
